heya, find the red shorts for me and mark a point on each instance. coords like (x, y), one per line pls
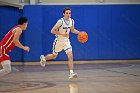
(4, 54)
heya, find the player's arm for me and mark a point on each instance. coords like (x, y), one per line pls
(55, 30)
(73, 30)
(56, 27)
(17, 32)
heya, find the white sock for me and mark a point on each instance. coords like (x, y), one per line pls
(43, 58)
(71, 71)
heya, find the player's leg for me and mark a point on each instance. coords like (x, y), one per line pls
(51, 56)
(68, 50)
(6, 68)
(70, 65)
(56, 48)
(47, 57)
(70, 60)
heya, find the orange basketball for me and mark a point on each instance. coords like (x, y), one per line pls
(82, 37)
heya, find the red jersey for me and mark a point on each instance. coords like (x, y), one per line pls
(7, 45)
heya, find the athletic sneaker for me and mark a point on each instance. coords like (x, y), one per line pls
(73, 75)
(42, 61)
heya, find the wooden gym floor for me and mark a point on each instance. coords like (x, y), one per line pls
(118, 77)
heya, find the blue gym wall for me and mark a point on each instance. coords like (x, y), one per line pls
(114, 31)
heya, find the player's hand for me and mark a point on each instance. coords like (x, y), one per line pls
(26, 48)
(65, 35)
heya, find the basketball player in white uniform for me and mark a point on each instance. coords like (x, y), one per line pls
(62, 29)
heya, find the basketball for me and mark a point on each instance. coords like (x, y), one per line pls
(82, 37)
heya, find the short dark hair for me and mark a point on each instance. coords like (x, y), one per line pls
(65, 9)
(22, 20)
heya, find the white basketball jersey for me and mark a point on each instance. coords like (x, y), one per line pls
(64, 28)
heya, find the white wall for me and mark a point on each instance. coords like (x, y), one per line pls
(122, 0)
(86, 1)
(71, 1)
(15, 1)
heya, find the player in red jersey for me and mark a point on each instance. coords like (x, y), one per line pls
(11, 40)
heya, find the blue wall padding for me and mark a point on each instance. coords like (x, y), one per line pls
(33, 35)
(114, 31)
